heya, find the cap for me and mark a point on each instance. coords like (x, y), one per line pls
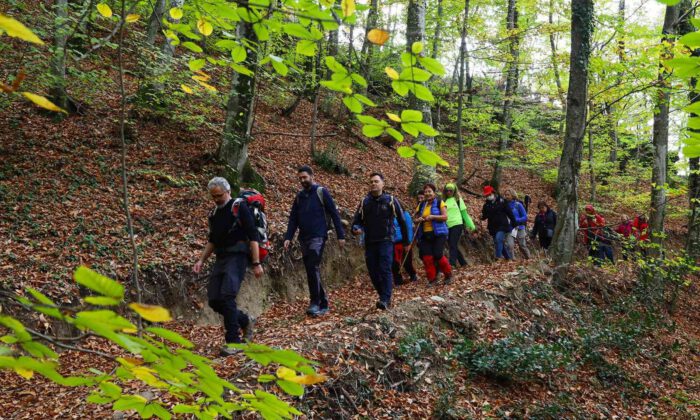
(488, 190)
(590, 209)
(451, 187)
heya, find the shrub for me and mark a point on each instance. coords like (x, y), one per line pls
(329, 159)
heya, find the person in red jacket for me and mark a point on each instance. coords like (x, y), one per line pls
(624, 230)
(592, 226)
(640, 228)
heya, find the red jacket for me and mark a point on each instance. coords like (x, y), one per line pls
(592, 230)
(625, 229)
(640, 229)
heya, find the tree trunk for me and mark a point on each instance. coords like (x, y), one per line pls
(591, 163)
(169, 47)
(58, 61)
(154, 22)
(239, 113)
(570, 163)
(460, 98)
(555, 67)
(368, 47)
(510, 89)
(610, 109)
(438, 31)
(660, 133)
(415, 32)
(317, 98)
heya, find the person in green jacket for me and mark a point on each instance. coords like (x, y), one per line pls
(457, 219)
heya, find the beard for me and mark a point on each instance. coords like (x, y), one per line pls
(306, 184)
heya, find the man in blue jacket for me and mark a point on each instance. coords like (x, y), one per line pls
(375, 215)
(312, 208)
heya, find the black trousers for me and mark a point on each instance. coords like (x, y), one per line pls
(224, 283)
(455, 233)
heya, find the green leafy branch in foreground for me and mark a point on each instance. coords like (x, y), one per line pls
(156, 357)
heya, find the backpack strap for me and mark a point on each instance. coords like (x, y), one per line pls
(319, 193)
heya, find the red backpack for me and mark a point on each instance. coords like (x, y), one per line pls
(256, 203)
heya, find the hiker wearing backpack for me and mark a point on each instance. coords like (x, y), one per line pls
(311, 211)
(500, 221)
(519, 231)
(457, 219)
(233, 237)
(375, 216)
(545, 222)
(403, 256)
(432, 235)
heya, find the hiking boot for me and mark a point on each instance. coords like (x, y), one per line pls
(313, 310)
(248, 330)
(322, 311)
(229, 351)
(448, 278)
(383, 305)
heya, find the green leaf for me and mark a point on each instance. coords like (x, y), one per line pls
(238, 54)
(111, 390)
(691, 40)
(241, 69)
(334, 66)
(171, 336)
(417, 48)
(411, 115)
(368, 119)
(8, 339)
(261, 32)
(691, 151)
(432, 65)
(98, 283)
(306, 47)
(372, 130)
(410, 128)
(280, 67)
(695, 22)
(694, 123)
(400, 87)
(102, 301)
(426, 129)
(155, 409)
(297, 30)
(198, 64)
(415, 74)
(129, 402)
(353, 104)
(40, 297)
(291, 388)
(669, 2)
(192, 46)
(359, 80)
(405, 152)
(226, 44)
(335, 86)
(16, 327)
(422, 92)
(98, 399)
(185, 409)
(684, 67)
(693, 108)
(38, 350)
(365, 100)
(395, 134)
(266, 378)
(408, 59)
(430, 158)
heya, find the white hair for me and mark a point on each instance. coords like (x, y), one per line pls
(219, 182)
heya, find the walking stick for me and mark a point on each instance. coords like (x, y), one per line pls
(410, 246)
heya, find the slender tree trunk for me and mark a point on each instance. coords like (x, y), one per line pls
(58, 60)
(660, 133)
(460, 98)
(169, 46)
(415, 32)
(154, 22)
(610, 110)
(368, 47)
(591, 164)
(555, 67)
(239, 113)
(438, 31)
(510, 90)
(317, 97)
(567, 182)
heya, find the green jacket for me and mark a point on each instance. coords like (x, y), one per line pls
(457, 214)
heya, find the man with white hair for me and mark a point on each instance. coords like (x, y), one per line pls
(234, 240)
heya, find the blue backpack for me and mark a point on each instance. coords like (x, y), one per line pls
(397, 228)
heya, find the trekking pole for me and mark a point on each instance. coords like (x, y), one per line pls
(410, 246)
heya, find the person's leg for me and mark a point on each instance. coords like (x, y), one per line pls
(460, 258)
(522, 243)
(386, 255)
(509, 245)
(231, 284)
(439, 256)
(396, 264)
(408, 264)
(453, 240)
(322, 290)
(311, 258)
(372, 260)
(545, 241)
(425, 249)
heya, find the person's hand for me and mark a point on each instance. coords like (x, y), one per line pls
(198, 266)
(341, 243)
(286, 245)
(420, 220)
(257, 271)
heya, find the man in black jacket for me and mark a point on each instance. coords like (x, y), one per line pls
(233, 238)
(375, 215)
(500, 220)
(312, 208)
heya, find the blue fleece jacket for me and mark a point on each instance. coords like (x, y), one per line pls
(519, 212)
(309, 215)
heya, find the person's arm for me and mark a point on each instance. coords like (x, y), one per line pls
(357, 219)
(522, 214)
(398, 211)
(292, 224)
(466, 219)
(248, 225)
(483, 212)
(330, 207)
(443, 214)
(206, 252)
(509, 213)
(536, 227)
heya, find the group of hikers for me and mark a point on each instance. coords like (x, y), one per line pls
(388, 231)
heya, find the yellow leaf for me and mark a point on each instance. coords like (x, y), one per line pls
(151, 313)
(393, 117)
(308, 379)
(208, 86)
(348, 7)
(16, 29)
(202, 76)
(132, 18)
(176, 13)
(393, 74)
(130, 330)
(204, 27)
(42, 102)
(378, 36)
(285, 373)
(26, 374)
(186, 89)
(104, 10)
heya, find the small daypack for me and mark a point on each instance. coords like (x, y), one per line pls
(256, 203)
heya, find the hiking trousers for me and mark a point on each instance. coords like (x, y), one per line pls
(379, 257)
(455, 233)
(402, 255)
(522, 244)
(500, 249)
(432, 249)
(312, 254)
(224, 283)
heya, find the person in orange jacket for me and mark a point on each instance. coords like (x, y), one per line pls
(640, 228)
(592, 226)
